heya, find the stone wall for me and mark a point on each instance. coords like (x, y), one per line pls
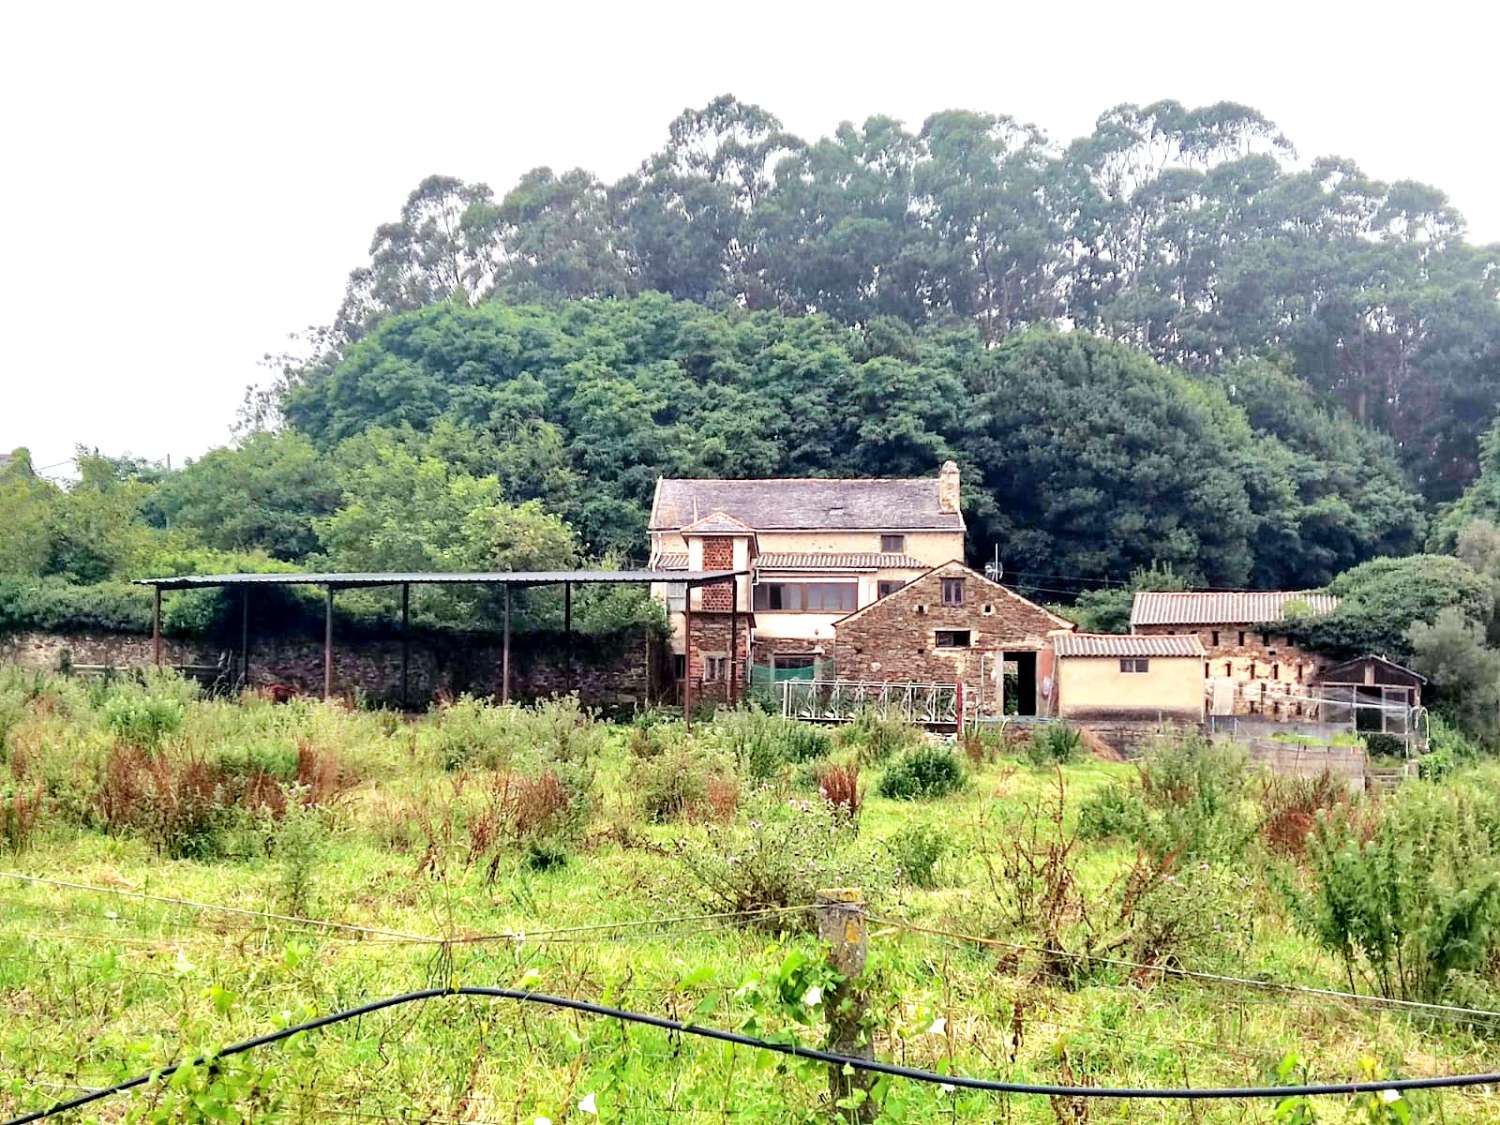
(710, 639)
(1269, 674)
(1133, 737)
(1344, 763)
(895, 639)
(606, 672)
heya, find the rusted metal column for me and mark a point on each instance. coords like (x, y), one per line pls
(328, 644)
(405, 641)
(687, 659)
(156, 626)
(505, 652)
(568, 630)
(244, 637)
(734, 636)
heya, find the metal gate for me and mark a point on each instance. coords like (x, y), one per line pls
(841, 701)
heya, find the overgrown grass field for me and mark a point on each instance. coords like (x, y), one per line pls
(367, 854)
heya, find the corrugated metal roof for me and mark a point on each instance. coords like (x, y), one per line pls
(806, 503)
(670, 560)
(836, 560)
(1125, 644)
(1244, 607)
(431, 578)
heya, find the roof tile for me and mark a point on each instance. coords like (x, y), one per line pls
(806, 503)
(1243, 607)
(1126, 644)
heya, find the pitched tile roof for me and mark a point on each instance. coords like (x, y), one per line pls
(806, 504)
(718, 523)
(835, 560)
(1247, 607)
(1121, 644)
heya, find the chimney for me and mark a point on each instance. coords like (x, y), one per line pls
(948, 487)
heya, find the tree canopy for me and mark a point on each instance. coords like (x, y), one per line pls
(1186, 231)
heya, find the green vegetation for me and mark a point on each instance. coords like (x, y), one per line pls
(476, 822)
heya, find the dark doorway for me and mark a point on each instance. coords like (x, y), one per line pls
(1370, 718)
(1020, 683)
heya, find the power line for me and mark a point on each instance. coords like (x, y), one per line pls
(810, 1053)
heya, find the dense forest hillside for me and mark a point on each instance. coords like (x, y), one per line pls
(1170, 352)
(1196, 235)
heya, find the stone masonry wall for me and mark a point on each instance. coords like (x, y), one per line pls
(710, 638)
(1270, 673)
(894, 639)
(606, 672)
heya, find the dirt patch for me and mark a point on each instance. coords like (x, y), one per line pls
(1099, 748)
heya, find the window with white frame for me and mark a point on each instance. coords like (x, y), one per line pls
(1135, 664)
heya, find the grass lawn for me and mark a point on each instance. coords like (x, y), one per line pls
(396, 826)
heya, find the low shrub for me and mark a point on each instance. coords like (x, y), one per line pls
(298, 841)
(1386, 747)
(1053, 745)
(675, 782)
(777, 856)
(916, 849)
(20, 813)
(762, 744)
(541, 814)
(180, 807)
(922, 774)
(1290, 807)
(839, 786)
(140, 719)
(1115, 812)
(877, 738)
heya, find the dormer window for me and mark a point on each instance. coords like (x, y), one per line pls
(893, 544)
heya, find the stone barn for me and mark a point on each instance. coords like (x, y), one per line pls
(953, 625)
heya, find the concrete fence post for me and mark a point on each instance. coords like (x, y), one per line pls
(842, 924)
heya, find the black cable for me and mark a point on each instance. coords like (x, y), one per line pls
(812, 1053)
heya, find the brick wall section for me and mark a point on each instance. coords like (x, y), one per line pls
(607, 672)
(718, 554)
(1269, 672)
(710, 638)
(894, 639)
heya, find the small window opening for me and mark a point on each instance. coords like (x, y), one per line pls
(1135, 664)
(1242, 638)
(953, 591)
(953, 638)
(893, 544)
(1216, 638)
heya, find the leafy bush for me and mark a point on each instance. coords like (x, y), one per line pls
(777, 856)
(1115, 812)
(142, 720)
(677, 781)
(472, 733)
(922, 774)
(1053, 745)
(916, 849)
(1385, 746)
(1411, 902)
(299, 840)
(876, 737)
(763, 744)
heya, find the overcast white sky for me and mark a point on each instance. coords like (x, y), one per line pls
(186, 185)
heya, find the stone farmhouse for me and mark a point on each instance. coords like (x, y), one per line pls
(954, 625)
(1250, 666)
(817, 550)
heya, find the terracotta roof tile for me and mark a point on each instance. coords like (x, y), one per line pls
(1123, 644)
(835, 560)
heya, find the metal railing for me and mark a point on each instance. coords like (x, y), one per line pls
(841, 701)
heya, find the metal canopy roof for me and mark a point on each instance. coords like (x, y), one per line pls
(360, 579)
